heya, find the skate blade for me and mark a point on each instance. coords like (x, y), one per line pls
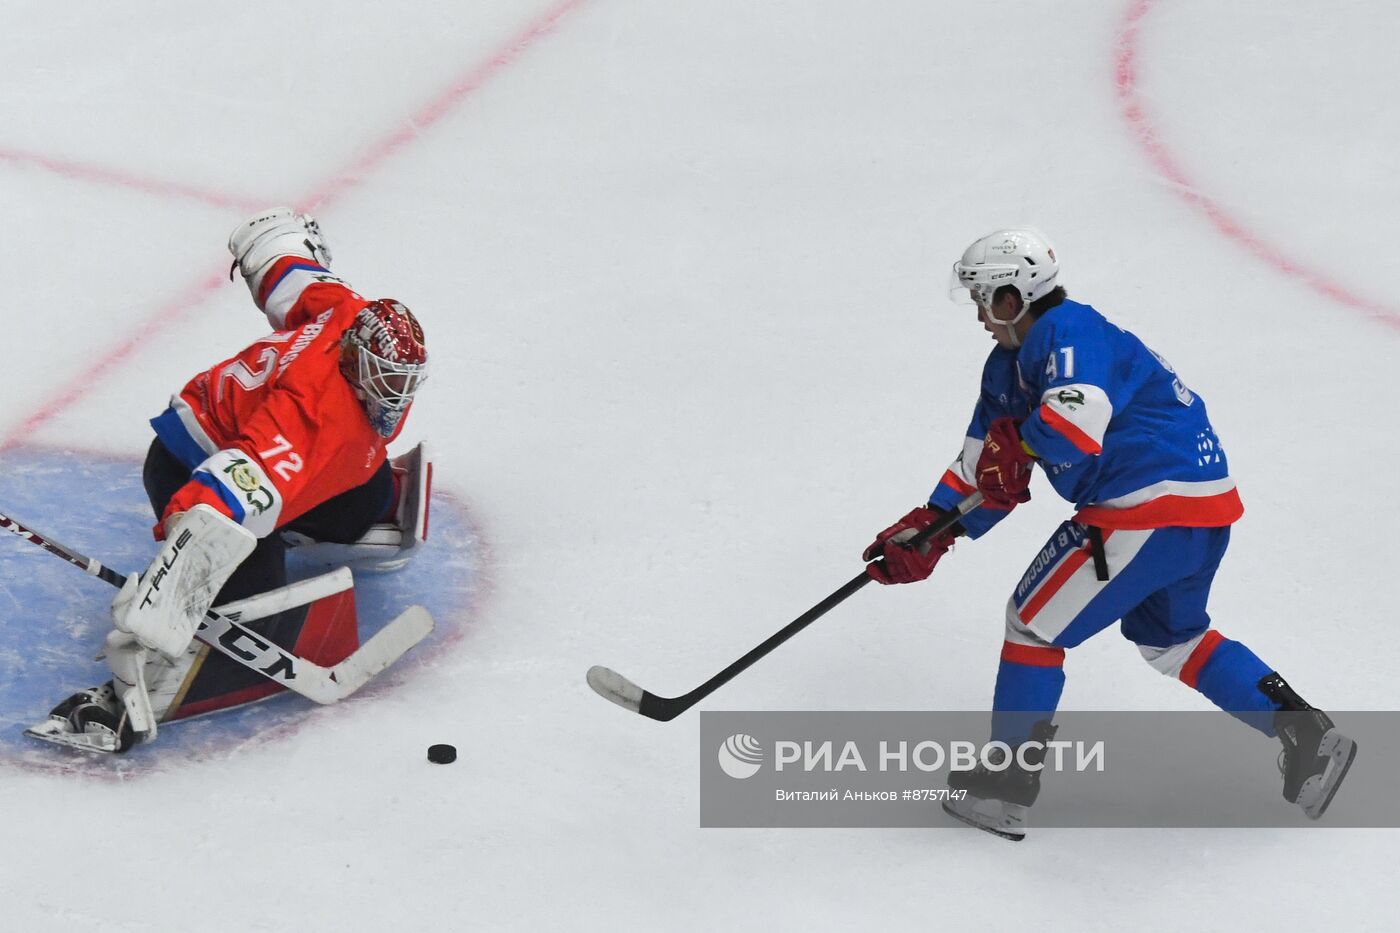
(1317, 791)
(56, 733)
(1007, 820)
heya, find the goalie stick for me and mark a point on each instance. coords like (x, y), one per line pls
(227, 636)
(611, 685)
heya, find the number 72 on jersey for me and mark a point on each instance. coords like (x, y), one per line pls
(289, 464)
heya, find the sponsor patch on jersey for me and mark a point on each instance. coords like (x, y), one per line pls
(250, 480)
(1070, 398)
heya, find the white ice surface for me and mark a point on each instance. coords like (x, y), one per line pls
(682, 268)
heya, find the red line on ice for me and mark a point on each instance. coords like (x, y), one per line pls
(81, 171)
(81, 384)
(504, 56)
(172, 312)
(1166, 164)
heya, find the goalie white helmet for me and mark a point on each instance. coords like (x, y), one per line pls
(385, 360)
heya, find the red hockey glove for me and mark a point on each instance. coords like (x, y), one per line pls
(900, 563)
(1004, 469)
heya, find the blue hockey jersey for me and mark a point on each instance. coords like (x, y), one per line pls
(1111, 424)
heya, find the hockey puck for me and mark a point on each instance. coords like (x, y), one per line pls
(442, 754)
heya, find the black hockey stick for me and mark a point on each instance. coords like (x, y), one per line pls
(611, 685)
(228, 637)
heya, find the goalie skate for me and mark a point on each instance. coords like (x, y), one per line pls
(385, 546)
(90, 720)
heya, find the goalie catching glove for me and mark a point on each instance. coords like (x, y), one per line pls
(280, 231)
(893, 561)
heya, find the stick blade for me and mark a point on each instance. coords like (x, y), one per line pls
(388, 645)
(612, 686)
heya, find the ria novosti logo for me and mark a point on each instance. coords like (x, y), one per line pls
(740, 756)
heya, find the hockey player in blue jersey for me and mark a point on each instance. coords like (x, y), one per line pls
(1124, 439)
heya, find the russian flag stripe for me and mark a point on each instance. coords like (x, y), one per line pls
(1052, 586)
(1083, 442)
(175, 435)
(1047, 590)
(235, 508)
(1033, 655)
(1199, 656)
(957, 484)
(280, 271)
(1186, 511)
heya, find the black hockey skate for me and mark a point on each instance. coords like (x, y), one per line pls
(92, 720)
(1315, 756)
(998, 801)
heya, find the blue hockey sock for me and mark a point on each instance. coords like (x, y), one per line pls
(1228, 674)
(1025, 692)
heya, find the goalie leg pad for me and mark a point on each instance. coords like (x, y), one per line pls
(163, 609)
(144, 684)
(313, 618)
(126, 657)
(386, 545)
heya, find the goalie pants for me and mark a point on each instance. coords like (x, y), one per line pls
(341, 519)
(1158, 583)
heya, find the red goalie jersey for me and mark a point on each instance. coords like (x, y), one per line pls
(277, 429)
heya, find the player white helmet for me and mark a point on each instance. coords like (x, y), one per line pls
(384, 357)
(1020, 257)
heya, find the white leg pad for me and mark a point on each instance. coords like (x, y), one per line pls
(163, 609)
(127, 659)
(166, 680)
(385, 546)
